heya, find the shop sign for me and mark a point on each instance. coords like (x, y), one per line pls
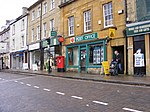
(34, 46)
(138, 29)
(86, 37)
(45, 43)
(53, 33)
(54, 41)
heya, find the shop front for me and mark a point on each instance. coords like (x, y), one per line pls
(85, 53)
(51, 48)
(17, 59)
(34, 53)
(138, 36)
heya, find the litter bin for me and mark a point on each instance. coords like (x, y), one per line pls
(106, 67)
(60, 63)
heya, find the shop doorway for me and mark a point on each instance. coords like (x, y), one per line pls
(83, 60)
(120, 49)
(139, 43)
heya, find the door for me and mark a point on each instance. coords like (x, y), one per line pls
(83, 60)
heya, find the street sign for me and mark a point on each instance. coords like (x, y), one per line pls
(53, 33)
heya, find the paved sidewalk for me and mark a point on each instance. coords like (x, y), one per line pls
(121, 79)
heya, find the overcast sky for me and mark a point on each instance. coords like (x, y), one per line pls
(11, 9)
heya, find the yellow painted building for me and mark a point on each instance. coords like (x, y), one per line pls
(43, 18)
(92, 29)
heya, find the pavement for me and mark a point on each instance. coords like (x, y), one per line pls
(120, 79)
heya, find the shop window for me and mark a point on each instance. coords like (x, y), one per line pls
(96, 54)
(73, 56)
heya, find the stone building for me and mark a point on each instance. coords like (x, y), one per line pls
(92, 29)
(43, 28)
(138, 36)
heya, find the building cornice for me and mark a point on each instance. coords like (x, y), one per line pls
(63, 4)
(35, 4)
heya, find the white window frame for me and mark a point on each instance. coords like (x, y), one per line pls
(107, 13)
(87, 21)
(33, 15)
(13, 29)
(22, 24)
(52, 4)
(45, 8)
(52, 25)
(32, 34)
(44, 30)
(71, 25)
(39, 11)
(38, 32)
(22, 41)
(13, 43)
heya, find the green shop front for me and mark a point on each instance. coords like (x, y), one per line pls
(138, 36)
(51, 50)
(85, 53)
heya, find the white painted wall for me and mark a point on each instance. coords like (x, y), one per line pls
(18, 35)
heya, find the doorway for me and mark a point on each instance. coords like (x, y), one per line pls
(120, 49)
(139, 43)
(83, 60)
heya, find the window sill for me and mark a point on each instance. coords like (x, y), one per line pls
(70, 36)
(52, 9)
(109, 27)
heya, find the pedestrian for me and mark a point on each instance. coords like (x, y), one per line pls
(118, 59)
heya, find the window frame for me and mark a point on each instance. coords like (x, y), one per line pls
(32, 34)
(104, 15)
(45, 8)
(44, 30)
(52, 24)
(22, 41)
(33, 15)
(52, 4)
(39, 11)
(38, 32)
(13, 29)
(87, 21)
(71, 25)
(22, 24)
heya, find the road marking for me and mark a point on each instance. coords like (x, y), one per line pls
(3, 79)
(60, 93)
(36, 87)
(28, 84)
(0, 78)
(15, 81)
(101, 103)
(131, 110)
(77, 97)
(21, 83)
(46, 89)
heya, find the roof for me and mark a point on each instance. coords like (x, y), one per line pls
(35, 4)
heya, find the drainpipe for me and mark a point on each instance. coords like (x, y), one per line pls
(41, 49)
(125, 8)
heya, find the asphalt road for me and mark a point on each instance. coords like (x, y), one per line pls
(25, 93)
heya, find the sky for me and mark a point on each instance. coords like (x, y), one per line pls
(11, 9)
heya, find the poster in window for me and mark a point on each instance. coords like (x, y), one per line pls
(96, 55)
(139, 59)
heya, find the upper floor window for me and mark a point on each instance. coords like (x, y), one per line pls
(45, 8)
(13, 43)
(108, 14)
(33, 15)
(44, 30)
(32, 34)
(39, 12)
(13, 29)
(38, 32)
(71, 25)
(22, 24)
(22, 40)
(52, 25)
(52, 3)
(87, 21)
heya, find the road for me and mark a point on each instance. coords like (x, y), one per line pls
(25, 93)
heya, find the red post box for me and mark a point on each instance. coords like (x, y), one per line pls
(60, 63)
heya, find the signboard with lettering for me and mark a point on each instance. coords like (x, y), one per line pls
(138, 29)
(86, 37)
(53, 33)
